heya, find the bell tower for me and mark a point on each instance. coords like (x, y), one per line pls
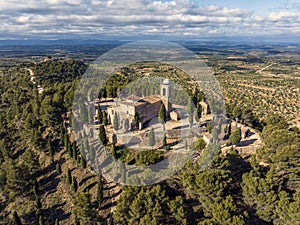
(166, 94)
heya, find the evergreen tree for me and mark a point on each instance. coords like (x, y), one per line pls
(69, 176)
(116, 122)
(198, 112)
(84, 211)
(151, 138)
(75, 150)
(104, 117)
(83, 162)
(74, 184)
(162, 115)
(190, 107)
(236, 136)
(58, 168)
(102, 135)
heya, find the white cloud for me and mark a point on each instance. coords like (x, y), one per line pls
(136, 17)
(277, 16)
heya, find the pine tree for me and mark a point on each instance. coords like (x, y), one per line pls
(102, 135)
(69, 177)
(16, 219)
(151, 138)
(74, 184)
(236, 136)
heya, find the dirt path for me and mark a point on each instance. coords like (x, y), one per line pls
(32, 77)
(261, 70)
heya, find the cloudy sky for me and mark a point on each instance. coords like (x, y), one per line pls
(58, 19)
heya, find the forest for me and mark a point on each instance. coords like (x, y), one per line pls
(44, 178)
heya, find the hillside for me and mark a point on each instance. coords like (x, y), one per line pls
(44, 178)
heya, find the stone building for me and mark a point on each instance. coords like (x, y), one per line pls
(205, 107)
(146, 107)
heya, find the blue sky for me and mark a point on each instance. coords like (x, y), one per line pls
(60, 19)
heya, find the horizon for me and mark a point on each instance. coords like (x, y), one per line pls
(149, 19)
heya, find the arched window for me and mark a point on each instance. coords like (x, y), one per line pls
(164, 92)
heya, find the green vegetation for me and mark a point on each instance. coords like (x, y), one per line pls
(236, 136)
(102, 135)
(151, 137)
(45, 179)
(162, 115)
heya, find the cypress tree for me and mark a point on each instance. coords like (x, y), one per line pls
(100, 115)
(83, 162)
(162, 115)
(152, 138)
(69, 177)
(58, 168)
(116, 122)
(198, 111)
(74, 184)
(104, 117)
(102, 135)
